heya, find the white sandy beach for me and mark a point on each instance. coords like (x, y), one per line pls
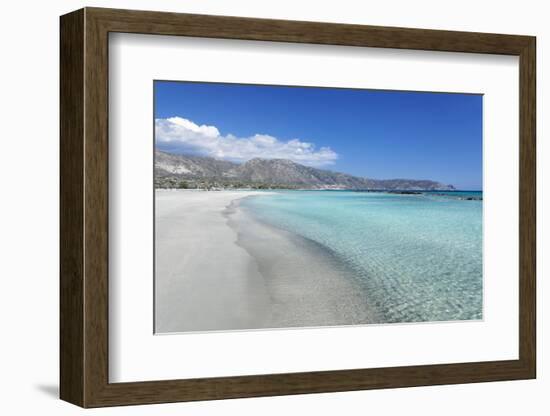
(219, 269)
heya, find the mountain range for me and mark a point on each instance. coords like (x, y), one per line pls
(186, 171)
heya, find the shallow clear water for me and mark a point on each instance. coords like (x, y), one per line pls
(419, 257)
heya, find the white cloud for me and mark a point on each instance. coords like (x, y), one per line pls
(182, 135)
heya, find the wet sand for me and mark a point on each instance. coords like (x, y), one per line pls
(217, 268)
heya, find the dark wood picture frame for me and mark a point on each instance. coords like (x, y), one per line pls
(84, 207)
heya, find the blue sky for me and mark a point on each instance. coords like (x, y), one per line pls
(375, 134)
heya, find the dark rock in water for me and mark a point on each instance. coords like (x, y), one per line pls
(405, 192)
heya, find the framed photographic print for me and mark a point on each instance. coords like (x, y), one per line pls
(255, 207)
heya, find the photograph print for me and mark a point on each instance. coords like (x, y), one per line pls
(297, 207)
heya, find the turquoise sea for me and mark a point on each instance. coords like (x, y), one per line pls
(418, 256)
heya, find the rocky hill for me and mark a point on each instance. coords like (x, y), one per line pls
(169, 164)
(185, 171)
